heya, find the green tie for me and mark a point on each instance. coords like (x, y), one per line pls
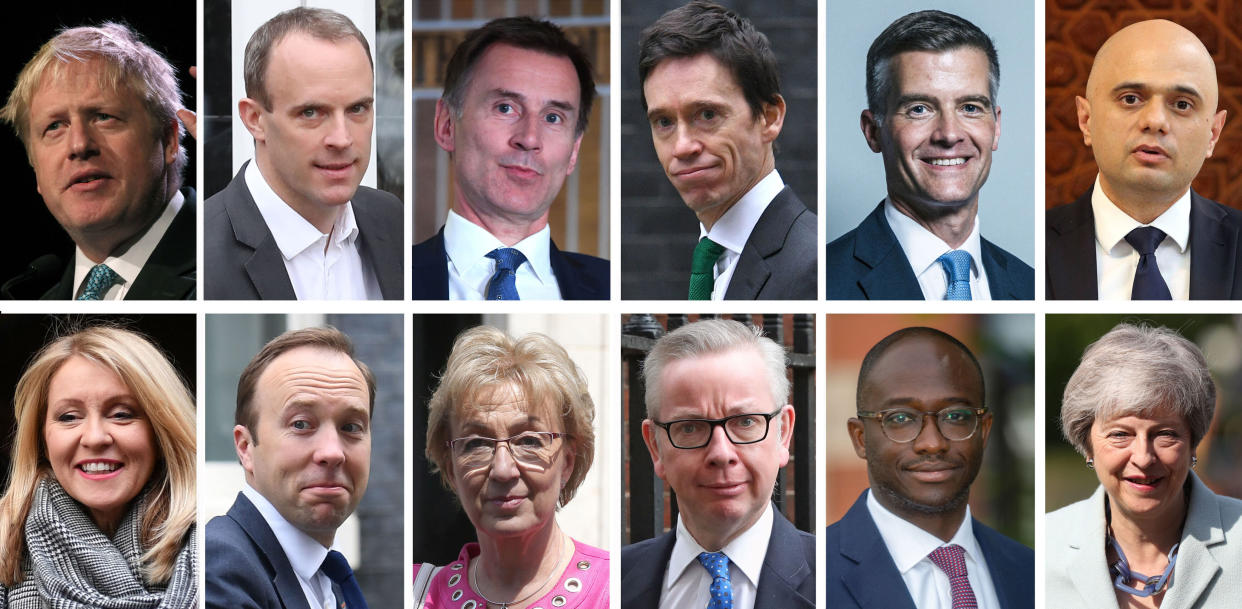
(701, 277)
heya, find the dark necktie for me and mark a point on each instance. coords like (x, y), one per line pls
(337, 569)
(717, 564)
(701, 277)
(98, 281)
(952, 560)
(956, 265)
(1148, 284)
(503, 285)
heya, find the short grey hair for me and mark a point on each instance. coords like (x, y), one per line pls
(711, 336)
(318, 23)
(1135, 370)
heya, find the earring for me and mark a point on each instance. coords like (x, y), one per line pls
(1091, 463)
(1194, 460)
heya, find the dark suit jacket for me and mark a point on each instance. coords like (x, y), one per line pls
(242, 261)
(1215, 251)
(579, 276)
(778, 261)
(170, 272)
(868, 263)
(787, 580)
(245, 566)
(862, 574)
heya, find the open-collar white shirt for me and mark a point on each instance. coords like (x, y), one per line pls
(733, 229)
(320, 267)
(304, 553)
(928, 585)
(687, 583)
(470, 270)
(1116, 260)
(923, 248)
(128, 264)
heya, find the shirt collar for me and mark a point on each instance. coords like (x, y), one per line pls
(468, 244)
(923, 248)
(1112, 225)
(747, 550)
(293, 233)
(732, 229)
(908, 544)
(304, 553)
(128, 264)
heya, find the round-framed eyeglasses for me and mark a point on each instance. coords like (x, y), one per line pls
(903, 425)
(530, 449)
(746, 428)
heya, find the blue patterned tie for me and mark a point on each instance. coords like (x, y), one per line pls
(98, 281)
(1148, 283)
(957, 266)
(337, 569)
(502, 285)
(717, 564)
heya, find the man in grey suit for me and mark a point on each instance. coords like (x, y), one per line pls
(711, 91)
(295, 224)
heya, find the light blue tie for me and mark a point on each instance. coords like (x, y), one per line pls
(957, 266)
(98, 281)
(717, 564)
(503, 285)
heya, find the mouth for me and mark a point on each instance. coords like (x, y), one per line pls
(338, 170)
(1151, 153)
(932, 472)
(691, 173)
(725, 489)
(506, 502)
(1143, 483)
(522, 172)
(946, 161)
(84, 181)
(327, 488)
(99, 469)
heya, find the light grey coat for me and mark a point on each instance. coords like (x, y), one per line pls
(1208, 574)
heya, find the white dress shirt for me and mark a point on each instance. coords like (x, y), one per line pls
(732, 229)
(128, 264)
(469, 269)
(1116, 260)
(320, 267)
(928, 585)
(687, 583)
(923, 248)
(304, 553)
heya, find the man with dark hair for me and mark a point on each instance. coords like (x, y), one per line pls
(295, 224)
(932, 80)
(711, 91)
(303, 436)
(922, 426)
(517, 98)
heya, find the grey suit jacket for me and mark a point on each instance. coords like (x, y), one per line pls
(779, 260)
(241, 260)
(1208, 574)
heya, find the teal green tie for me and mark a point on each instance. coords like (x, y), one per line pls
(98, 281)
(701, 277)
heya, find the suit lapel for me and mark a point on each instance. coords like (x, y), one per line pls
(429, 269)
(642, 582)
(870, 575)
(784, 569)
(1213, 250)
(1011, 577)
(1069, 254)
(890, 276)
(1087, 545)
(1000, 283)
(1196, 566)
(266, 266)
(285, 580)
(169, 273)
(573, 284)
(765, 240)
(374, 238)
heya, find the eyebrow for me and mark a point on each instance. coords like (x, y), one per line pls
(982, 100)
(1184, 89)
(555, 103)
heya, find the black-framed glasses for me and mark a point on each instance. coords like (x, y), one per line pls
(903, 425)
(740, 429)
(531, 449)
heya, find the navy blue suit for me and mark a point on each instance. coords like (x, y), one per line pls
(1215, 251)
(862, 574)
(579, 276)
(868, 263)
(245, 566)
(787, 580)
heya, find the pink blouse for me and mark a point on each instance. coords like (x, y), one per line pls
(583, 584)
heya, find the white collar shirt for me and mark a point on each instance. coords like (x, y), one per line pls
(923, 249)
(733, 229)
(470, 270)
(1116, 260)
(687, 583)
(928, 585)
(304, 553)
(320, 267)
(128, 264)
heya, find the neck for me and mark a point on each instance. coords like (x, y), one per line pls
(506, 570)
(1147, 540)
(322, 217)
(951, 224)
(97, 246)
(709, 216)
(715, 536)
(508, 229)
(1144, 207)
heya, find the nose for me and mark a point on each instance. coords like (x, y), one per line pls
(526, 134)
(82, 144)
(720, 451)
(930, 440)
(687, 144)
(329, 448)
(1154, 117)
(1142, 453)
(338, 135)
(504, 467)
(95, 433)
(948, 130)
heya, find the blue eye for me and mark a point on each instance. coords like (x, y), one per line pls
(300, 425)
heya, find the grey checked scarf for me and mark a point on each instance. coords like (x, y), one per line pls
(72, 565)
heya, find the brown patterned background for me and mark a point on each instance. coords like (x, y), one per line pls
(1077, 28)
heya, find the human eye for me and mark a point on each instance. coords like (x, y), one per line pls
(899, 417)
(686, 428)
(66, 417)
(553, 118)
(300, 424)
(661, 122)
(530, 440)
(1183, 105)
(309, 113)
(746, 421)
(957, 415)
(475, 444)
(353, 427)
(708, 114)
(973, 108)
(360, 108)
(124, 414)
(505, 108)
(1129, 99)
(918, 110)
(53, 126)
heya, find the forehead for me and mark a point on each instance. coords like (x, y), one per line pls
(1157, 66)
(924, 368)
(78, 375)
(311, 372)
(501, 405)
(534, 74)
(714, 385)
(689, 80)
(962, 70)
(300, 64)
(67, 84)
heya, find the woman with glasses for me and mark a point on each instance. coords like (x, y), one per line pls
(1152, 534)
(510, 429)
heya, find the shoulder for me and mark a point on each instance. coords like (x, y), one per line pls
(1013, 265)
(647, 551)
(587, 263)
(1063, 218)
(378, 201)
(236, 573)
(999, 543)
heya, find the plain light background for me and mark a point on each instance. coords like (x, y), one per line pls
(854, 177)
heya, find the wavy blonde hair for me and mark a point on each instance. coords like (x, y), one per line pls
(167, 404)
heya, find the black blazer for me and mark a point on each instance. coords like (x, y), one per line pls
(862, 574)
(787, 580)
(778, 261)
(868, 263)
(171, 271)
(579, 276)
(1215, 255)
(243, 263)
(245, 566)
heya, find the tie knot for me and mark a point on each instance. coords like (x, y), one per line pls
(716, 563)
(951, 559)
(336, 567)
(706, 253)
(1145, 239)
(507, 258)
(956, 264)
(98, 281)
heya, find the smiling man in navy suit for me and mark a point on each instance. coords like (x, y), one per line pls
(909, 541)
